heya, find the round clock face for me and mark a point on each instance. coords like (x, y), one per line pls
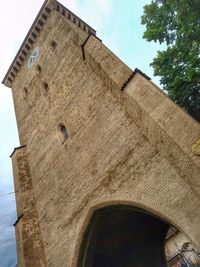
(33, 57)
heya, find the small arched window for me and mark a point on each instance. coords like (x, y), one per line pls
(63, 132)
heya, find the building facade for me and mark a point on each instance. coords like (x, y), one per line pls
(179, 250)
(107, 161)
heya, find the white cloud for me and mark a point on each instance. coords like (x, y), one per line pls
(104, 4)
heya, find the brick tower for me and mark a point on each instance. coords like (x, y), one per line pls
(98, 140)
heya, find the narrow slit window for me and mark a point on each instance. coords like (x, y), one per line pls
(63, 132)
(46, 87)
(38, 69)
(25, 92)
(53, 44)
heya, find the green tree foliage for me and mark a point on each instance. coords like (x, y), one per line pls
(177, 24)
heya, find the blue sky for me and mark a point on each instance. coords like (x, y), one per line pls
(117, 23)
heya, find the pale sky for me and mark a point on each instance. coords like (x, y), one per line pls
(117, 23)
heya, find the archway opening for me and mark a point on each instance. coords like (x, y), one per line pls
(123, 236)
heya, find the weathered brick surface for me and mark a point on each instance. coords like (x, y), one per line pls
(30, 248)
(171, 131)
(130, 147)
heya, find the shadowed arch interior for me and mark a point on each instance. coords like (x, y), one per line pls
(123, 236)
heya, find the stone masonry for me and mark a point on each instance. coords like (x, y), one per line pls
(128, 142)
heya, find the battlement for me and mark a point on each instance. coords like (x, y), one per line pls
(36, 28)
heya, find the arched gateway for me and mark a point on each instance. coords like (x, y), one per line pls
(123, 236)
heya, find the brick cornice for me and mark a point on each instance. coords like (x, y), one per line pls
(17, 148)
